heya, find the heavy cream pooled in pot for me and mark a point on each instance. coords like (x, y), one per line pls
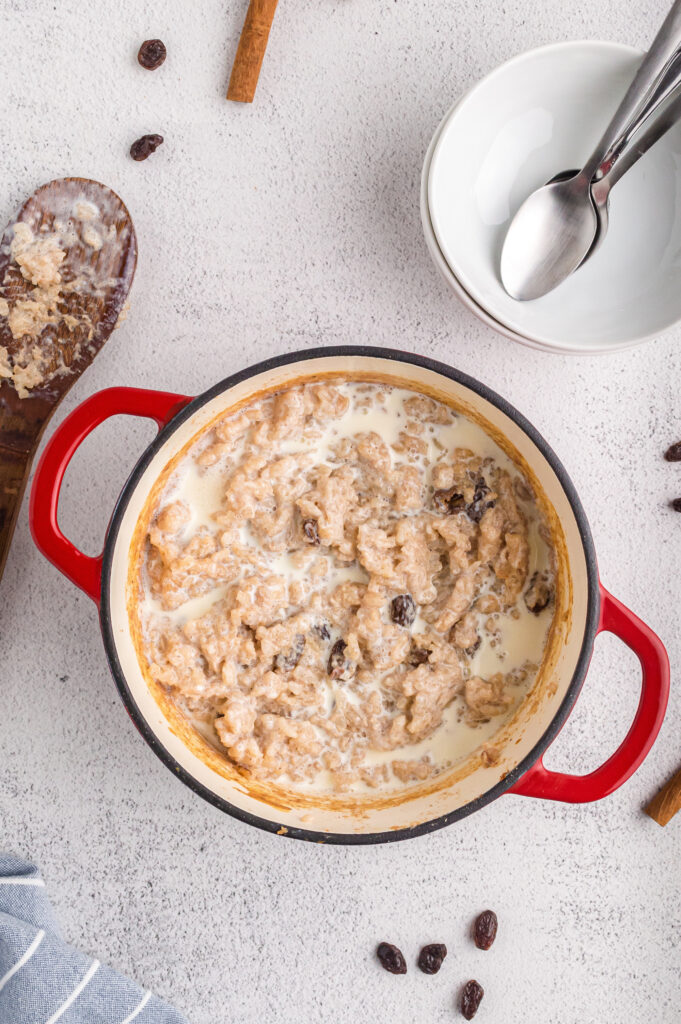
(346, 586)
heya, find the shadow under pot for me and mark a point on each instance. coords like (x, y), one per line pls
(583, 609)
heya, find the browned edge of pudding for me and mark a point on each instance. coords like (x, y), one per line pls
(278, 797)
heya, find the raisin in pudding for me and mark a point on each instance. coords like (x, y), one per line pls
(344, 586)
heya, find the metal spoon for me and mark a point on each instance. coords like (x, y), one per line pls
(98, 256)
(668, 114)
(554, 229)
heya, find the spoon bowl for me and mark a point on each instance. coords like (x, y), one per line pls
(601, 203)
(558, 224)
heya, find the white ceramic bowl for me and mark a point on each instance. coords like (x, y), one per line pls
(540, 113)
(439, 259)
(444, 268)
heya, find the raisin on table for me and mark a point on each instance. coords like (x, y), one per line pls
(673, 453)
(431, 957)
(485, 929)
(471, 997)
(151, 54)
(145, 146)
(391, 958)
(676, 504)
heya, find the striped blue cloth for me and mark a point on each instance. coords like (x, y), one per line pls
(43, 980)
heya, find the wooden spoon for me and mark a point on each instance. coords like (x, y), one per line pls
(93, 235)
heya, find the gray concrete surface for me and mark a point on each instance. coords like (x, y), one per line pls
(284, 225)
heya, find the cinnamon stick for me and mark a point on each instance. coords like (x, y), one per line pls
(251, 50)
(664, 806)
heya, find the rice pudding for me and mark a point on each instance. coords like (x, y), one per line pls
(345, 587)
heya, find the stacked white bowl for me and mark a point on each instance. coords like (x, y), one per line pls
(537, 115)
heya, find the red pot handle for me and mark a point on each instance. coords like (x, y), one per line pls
(84, 570)
(577, 789)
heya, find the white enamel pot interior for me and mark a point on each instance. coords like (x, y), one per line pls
(469, 788)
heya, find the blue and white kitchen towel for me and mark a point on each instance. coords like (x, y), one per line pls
(43, 980)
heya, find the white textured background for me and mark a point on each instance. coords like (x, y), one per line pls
(264, 229)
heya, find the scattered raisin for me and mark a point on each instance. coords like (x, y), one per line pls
(431, 957)
(391, 958)
(676, 504)
(470, 651)
(449, 501)
(539, 594)
(340, 667)
(471, 997)
(311, 531)
(285, 661)
(673, 453)
(418, 656)
(479, 505)
(151, 54)
(485, 929)
(403, 610)
(322, 631)
(145, 146)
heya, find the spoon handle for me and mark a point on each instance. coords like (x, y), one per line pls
(648, 134)
(652, 126)
(15, 465)
(646, 92)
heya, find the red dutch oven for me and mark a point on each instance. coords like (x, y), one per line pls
(585, 608)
